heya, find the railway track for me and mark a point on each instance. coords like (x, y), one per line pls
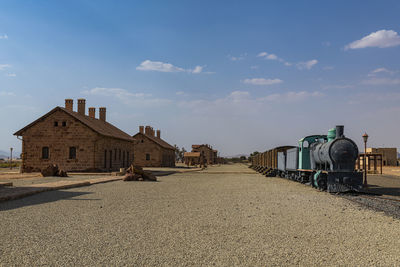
(390, 206)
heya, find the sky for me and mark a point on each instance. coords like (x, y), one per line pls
(242, 76)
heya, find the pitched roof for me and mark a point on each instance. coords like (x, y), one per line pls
(101, 127)
(156, 140)
(198, 146)
(191, 154)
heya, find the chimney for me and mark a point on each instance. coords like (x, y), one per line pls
(69, 104)
(339, 131)
(148, 130)
(141, 129)
(92, 112)
(102, 114)
(81, 106)
(153, 133)
(159, 134)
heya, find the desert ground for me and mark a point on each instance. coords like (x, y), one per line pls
(225, 215)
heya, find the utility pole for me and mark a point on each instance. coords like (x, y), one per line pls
(365, 137)
(11, 149)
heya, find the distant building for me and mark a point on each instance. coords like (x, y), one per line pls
(75, 141)
(210, 155)
(151, 150)
(389, 154)
(194, 158)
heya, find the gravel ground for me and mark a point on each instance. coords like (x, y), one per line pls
(196, 218)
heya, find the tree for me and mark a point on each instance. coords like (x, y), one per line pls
(182, 154)
(177, 153)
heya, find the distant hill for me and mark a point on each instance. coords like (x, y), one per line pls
(237, 156)
(6, 154)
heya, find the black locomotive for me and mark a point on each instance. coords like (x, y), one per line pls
(326, 162)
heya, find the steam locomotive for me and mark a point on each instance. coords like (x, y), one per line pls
(326, 162)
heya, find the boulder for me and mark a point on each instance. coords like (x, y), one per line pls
(51, 170)
(132, 177)
(62, 173)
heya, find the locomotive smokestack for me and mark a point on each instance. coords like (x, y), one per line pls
(339, 131)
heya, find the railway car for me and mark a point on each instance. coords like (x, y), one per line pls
(326, 162)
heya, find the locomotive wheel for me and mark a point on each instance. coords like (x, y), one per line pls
(322, 182)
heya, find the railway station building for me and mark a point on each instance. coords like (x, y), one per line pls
(152, 151)
(75, 141)
(389, 154)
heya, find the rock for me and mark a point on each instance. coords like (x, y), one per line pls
(62, 173)
(148, 176)
(133, 177)
(51, 170)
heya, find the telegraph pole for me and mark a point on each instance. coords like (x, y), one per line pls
(11, 149)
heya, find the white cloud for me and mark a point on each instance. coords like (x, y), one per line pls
(4, 93)
(4, 36)
(269, 56)
(306, 65)
(180, 93)
(237, 58)
(262, 54)
(4, 66)
(197, 69)
(382, 81)
(326, 43)
(290, 96)
(125, 96)
(149, 65)
(338, 86)
(11, 75)
(262, 81)
(381, 39)
(377, 71)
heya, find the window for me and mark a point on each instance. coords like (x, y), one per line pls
(64, 123)
(55, 123)
(147, 156)
(72, 152)
(123, 159)
(115, 154)
(45, 152)
(127, 158)
(119, 154)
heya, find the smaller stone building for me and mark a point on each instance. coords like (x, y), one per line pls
(389, 154)
(151, 150)
(210, 155)
(194, 158)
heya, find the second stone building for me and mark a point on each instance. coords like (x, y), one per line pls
(151, 151)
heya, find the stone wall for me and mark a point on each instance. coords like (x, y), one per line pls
(159, 156)
(89, 145)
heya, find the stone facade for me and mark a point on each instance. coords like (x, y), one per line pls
(151, 150)
(389, 155)
(209, 153)
(75, 142)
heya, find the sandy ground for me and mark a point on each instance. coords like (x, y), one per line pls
(224, 216)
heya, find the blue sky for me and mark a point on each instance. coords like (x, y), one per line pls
(239, 75)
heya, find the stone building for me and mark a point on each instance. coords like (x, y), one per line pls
(75, 141)
(194, 158)
(389, 154)
(151, 150)
(210, 155)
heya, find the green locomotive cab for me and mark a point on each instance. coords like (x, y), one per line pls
(304, 149)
